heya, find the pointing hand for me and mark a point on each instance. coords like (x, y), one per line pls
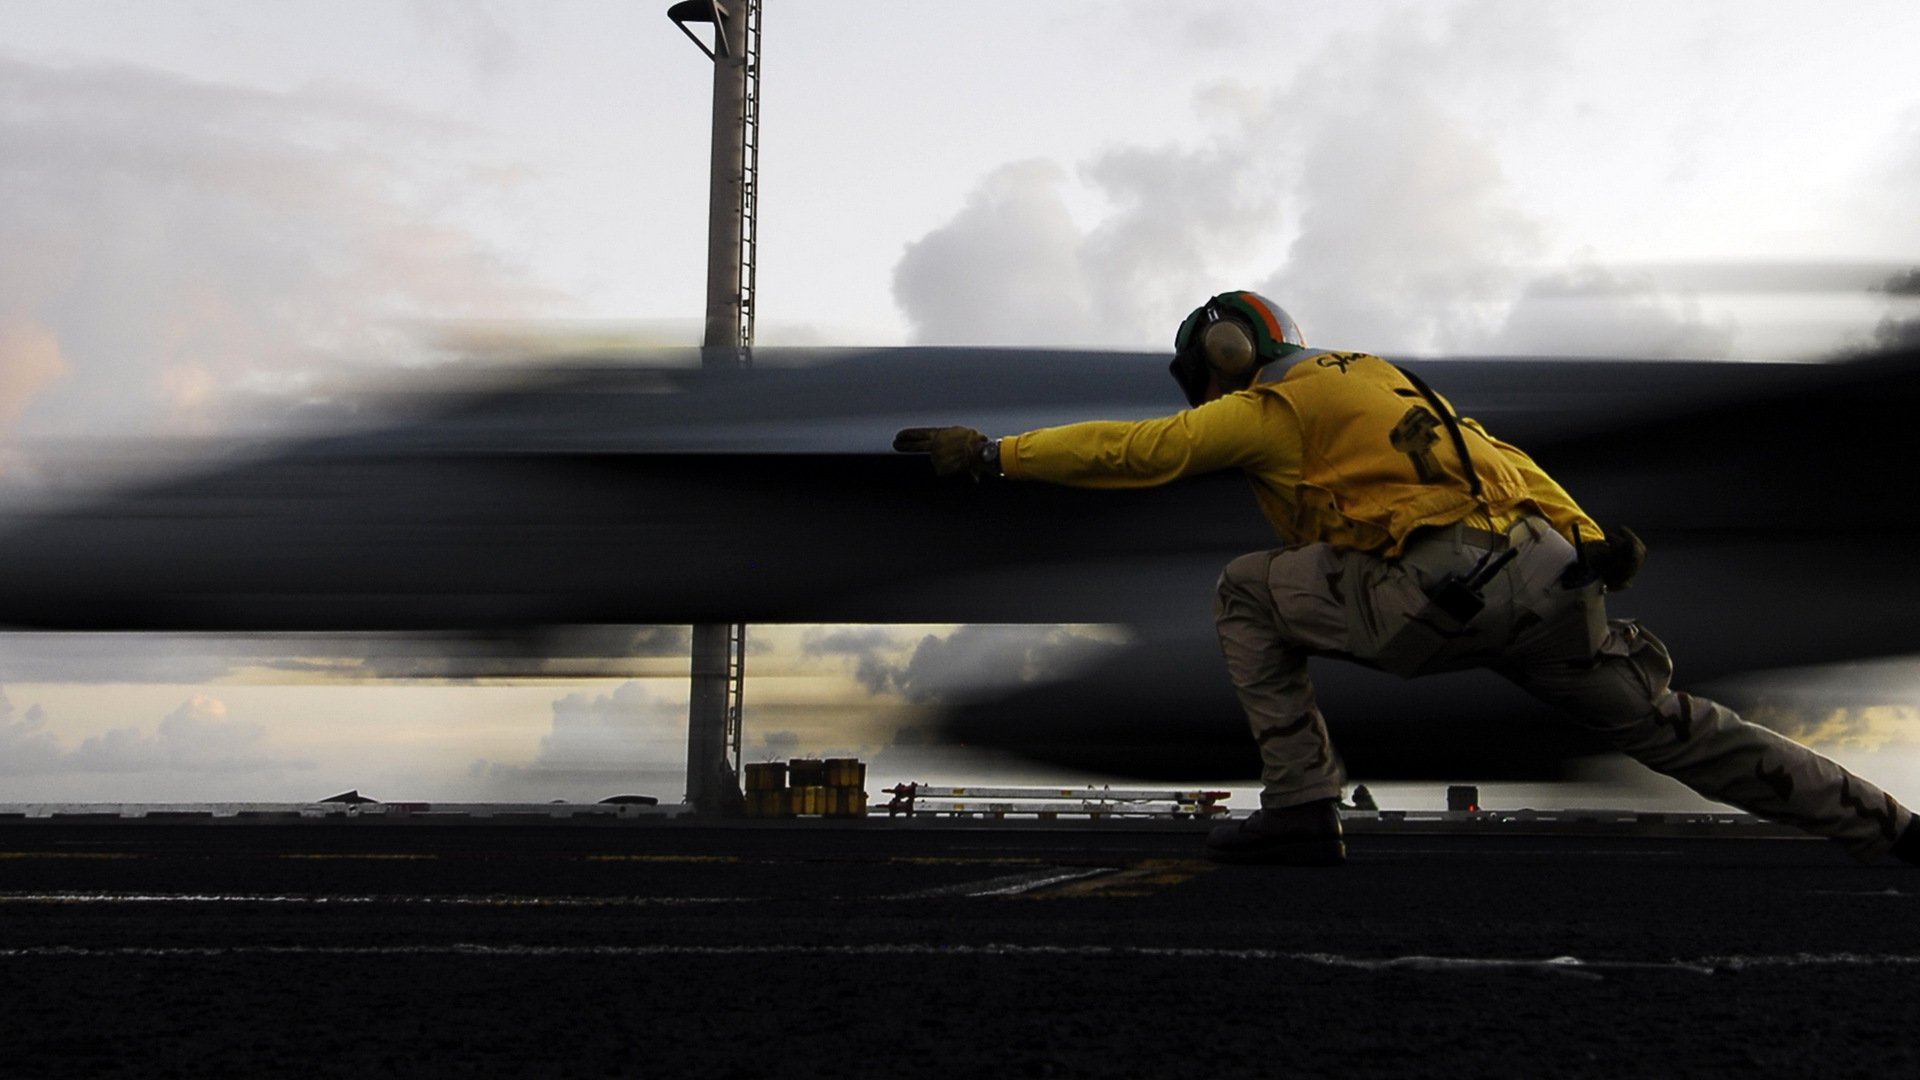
(954, 450)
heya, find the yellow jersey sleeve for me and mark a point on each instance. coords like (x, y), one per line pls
(1248, 430)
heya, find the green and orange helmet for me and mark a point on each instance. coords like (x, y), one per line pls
(1227, 339)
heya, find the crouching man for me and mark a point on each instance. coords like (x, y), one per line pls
(1415, 542)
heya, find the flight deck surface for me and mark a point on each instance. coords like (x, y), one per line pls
(865, 948)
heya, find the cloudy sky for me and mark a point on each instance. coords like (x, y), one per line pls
(207, 206)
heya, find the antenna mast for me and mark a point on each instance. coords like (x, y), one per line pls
(720, 649)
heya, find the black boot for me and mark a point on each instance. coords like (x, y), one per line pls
(1304, 835)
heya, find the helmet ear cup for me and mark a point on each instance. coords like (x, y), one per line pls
(1224, 341)
(1228, 348)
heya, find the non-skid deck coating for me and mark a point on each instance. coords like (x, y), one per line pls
(139, 950)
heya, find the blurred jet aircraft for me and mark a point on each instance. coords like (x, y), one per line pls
(1776, 500)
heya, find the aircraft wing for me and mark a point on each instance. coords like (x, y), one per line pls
(612, 496)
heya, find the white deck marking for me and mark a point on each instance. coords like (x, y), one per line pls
(1502, 852)
(1008, 885)
(1011, 885)
(329, 900)
(1558, 965)
(1739, 963)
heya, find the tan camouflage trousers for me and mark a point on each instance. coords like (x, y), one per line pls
(1274, 609)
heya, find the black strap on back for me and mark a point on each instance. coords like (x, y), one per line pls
(1453, 427)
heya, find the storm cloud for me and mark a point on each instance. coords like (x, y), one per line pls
(541, 652)
(609, 731)
(198, 737)
(26, 746)
(873, 652)
(945, 667)
(1015, 266)
(1900, 327)
(1595, 312)
(1408, 235)
(1397, 224)
(597, 745)
(170, 248)
(1869, 728)
(1368, 190)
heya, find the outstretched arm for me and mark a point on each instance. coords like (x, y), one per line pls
(1245, 431)
(953, 449)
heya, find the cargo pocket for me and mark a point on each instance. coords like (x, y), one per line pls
(1427, 636)
(1633, 651)
(1624, 682)
(1562, 624)
(1408, 631)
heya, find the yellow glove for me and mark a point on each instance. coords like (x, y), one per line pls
(954, 449)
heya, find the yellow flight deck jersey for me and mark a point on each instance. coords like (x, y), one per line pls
(1341, 448)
